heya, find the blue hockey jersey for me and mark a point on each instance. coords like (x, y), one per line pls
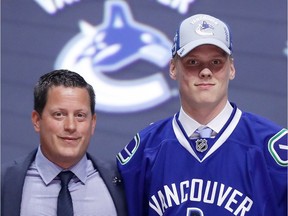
(244, 171)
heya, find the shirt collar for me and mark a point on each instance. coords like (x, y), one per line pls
(216, 124)
(48, 170)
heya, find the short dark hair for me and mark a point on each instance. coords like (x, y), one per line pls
(60, 77)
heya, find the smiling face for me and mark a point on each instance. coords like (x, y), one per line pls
(66, 125)
(203, 76)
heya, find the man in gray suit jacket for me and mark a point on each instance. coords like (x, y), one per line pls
(64, 116)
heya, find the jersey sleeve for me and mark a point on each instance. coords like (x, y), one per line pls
(131, 164)
(277, 157)
(136, 161)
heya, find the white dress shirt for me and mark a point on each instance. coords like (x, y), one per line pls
(190, 125)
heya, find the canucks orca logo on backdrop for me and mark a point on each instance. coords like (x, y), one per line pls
(116, 43)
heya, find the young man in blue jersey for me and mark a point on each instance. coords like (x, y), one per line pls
(210, 158)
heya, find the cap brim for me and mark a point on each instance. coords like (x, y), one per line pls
(190, 46)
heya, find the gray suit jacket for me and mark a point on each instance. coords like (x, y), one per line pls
(13, 176)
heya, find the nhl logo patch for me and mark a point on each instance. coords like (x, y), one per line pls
(201, 145)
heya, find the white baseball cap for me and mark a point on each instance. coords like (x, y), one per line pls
(201, 29)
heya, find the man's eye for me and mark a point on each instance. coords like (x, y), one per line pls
(81, 116)
(192, 62)
(216, 62)
(58, 115)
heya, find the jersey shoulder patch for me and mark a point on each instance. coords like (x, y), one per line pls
(278, 147)
(129, 150)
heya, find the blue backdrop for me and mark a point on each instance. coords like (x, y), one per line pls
(123, 48)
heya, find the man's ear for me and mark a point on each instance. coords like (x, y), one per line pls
(94, 120)
(232, 70)
(35, 117)
(172, 69)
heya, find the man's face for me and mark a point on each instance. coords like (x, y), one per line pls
(66, 125)
(203, 76)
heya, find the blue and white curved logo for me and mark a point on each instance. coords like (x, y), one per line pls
(117, 42)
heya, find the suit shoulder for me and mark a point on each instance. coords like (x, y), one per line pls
(101, 164)
(22, 162)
